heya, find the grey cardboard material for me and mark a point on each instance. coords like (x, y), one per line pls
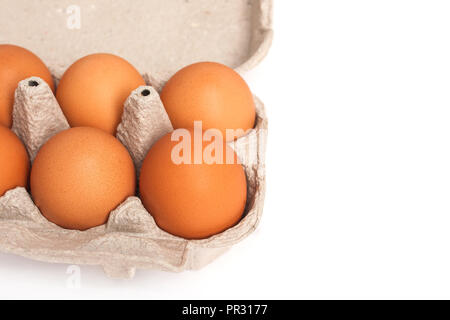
(162, 37)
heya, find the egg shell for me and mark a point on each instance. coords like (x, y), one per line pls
(17, 64)
(79, 176)
(193, 200)
(14, 162)
(212, 93)
(93, 90)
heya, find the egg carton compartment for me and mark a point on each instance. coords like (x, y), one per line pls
(158, 38)
(130, 239)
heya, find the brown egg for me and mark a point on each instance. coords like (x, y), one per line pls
(14, 162)
(192, 200)
(92, 91)
(17, 64)
(212, 93)
(79, 176)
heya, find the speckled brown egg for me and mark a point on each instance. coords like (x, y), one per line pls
(17, 64)
(211, 93)
(92, 91)
(79, 176)
(14, 162)
(192, 199)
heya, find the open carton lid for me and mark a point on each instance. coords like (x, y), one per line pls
(157, 37)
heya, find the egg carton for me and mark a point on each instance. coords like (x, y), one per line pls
(131, 239)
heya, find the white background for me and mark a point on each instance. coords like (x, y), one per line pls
(358, 167)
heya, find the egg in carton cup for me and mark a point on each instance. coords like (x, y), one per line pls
(130, 239)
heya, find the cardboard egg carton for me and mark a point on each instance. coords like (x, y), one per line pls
(131, 239)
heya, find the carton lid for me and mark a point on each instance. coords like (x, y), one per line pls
(157, 37)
